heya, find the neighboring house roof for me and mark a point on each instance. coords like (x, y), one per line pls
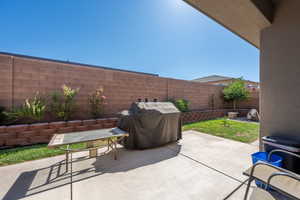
(212, 78)
(216, 78)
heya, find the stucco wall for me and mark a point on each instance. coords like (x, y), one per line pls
(280, 72)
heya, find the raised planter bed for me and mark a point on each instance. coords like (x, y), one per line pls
(25, 134)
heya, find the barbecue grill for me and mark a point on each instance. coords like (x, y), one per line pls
(150, 124)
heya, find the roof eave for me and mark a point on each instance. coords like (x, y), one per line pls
(260, 16)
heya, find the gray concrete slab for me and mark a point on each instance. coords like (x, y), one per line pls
(191, 169)
(154, 174)
(255, 143)
(227, 156)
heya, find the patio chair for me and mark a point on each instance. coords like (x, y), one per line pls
(281, 180)
(260, 194)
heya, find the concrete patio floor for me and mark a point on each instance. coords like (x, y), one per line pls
(200, 166)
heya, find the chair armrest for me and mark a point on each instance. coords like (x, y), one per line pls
(282, 151)
(268, 174)
(288, 183)
(262, 163)
(282, 174)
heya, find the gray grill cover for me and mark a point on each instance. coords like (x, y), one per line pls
(150, 124)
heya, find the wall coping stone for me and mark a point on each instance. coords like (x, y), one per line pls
(57, 123)
(39, 125)
(2, 129)
(18, 127)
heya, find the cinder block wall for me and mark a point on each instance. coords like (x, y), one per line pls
(21, 77)
(252, 102)
(6, 81)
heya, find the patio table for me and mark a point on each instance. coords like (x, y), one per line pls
(92, 139)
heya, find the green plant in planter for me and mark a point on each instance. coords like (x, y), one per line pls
(225, 122)
(181, 104)
(3, 115)
(236, 91)
(33, 110)
(62, 104)
(96, 102)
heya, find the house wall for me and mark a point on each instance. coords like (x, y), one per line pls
(279, 72)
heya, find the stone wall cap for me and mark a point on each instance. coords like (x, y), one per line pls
(74, 121)
(39, 124)
(18, 125)
(89, 120)
(60, 122)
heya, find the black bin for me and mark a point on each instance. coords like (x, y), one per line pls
(290, 162)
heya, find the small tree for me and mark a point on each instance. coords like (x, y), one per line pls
(236, 91)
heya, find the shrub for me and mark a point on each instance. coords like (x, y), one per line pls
(2, 115)
(62, 104)
(96, 102)
(236, 91)
(32, 110)
(181, 104)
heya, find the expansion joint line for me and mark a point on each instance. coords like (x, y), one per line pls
(214, 169)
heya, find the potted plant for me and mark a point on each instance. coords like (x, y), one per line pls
(235, 92)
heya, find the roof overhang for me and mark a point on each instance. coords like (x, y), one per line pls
(246, 18)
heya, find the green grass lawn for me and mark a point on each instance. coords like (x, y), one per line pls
(34, 152)
(239, 131)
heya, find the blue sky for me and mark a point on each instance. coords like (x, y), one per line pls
(167, 37)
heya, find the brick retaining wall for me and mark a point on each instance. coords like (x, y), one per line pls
(28, 134)
(196, 116)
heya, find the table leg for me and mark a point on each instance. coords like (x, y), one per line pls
(67, 160)
(112, 145)
(108, 144)
(92, 152)
(115, 149)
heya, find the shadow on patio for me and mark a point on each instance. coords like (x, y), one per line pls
(33, 182)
